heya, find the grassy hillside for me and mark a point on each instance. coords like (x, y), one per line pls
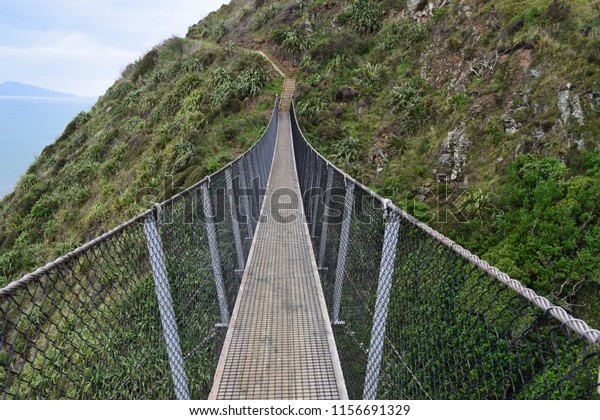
(482, 118)
(177, 114)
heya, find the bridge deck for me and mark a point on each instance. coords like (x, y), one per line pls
(279, 344)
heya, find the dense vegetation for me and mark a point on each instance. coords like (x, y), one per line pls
(482, 118)
(179, 113)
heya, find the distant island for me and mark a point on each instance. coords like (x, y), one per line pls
(20, 89)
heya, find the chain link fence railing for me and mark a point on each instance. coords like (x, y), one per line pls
(140, 312)
(416, 316)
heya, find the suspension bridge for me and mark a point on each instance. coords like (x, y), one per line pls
(281, 277)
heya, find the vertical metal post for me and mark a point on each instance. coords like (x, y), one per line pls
(325, 226)
(254, 180)
(386, 272)
(308, 187)
(214, 254)
(315, 210)
(342, 252)
(246, 197)
(165, 306)
(233, 211)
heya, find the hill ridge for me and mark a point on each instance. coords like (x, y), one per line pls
(17, 89)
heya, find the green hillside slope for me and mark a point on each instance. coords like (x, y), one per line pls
(480, 117)
(179, 113)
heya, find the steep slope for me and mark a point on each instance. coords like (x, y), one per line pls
(180, 112)
(480, 117)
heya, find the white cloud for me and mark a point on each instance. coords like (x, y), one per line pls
(81, 46)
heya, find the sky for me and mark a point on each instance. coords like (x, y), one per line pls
(81, 46)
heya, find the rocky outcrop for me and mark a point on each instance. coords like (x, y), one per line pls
(569, 105)
(453, 156)
(423, 8)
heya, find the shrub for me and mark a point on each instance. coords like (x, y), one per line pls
(251, 82)
(267, 14)
(406, 33)
(408, 97)
(409, 102)
(460, 101)
(365, 15)
(312, 108)
(302, 4)
(146, 64)
(370, 77)
(348, 150)
(294, 43)
(229, 47)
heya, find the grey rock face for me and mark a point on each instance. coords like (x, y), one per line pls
(569, 106)
(453, 156)
(414, 6)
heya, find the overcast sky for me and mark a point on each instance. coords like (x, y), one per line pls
(81, 46)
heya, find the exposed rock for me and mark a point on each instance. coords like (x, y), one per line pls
(511, 126)
(576, 107)
(538, 134)
(535, 72)
(569, 106)
(557, 11)
(453, 156)
(563, 105)
(337, 110)
(423, 8)
(380, 159)
(288, 14)
(415, 6)
(594, 97)
(346, 93)
(363, 104)
(308, 28)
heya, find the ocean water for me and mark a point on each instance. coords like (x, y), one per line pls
(27, 125)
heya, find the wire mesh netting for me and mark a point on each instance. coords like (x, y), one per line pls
(417, 317)
(140, 312)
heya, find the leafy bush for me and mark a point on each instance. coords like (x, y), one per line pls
(267, 14)
(311, 109)
(225, 86)
(145, 64)
(408, 98)
(405, 33)
(251, 82)
(365, 15)
(293, 43)
(370, 77)
(548, 227)
(347, 151)
(460, 101)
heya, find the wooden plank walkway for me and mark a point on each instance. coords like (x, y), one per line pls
(280, 344)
